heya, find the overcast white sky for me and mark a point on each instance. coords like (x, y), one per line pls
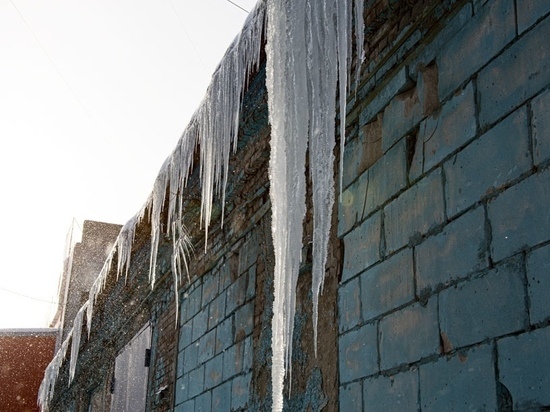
(94, 95)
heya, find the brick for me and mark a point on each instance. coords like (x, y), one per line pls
(454, 253)
(388, 285)
(350, 209)
(516, 75)
(244, 321)
(409, 335)
(482, 308)
(402, 114)
(387, 177)
(350, 397)
(358, 354)
(480, 40)
(519, 216)
(529, 11)
(454, 126)
(362, 247)
(414, 212)
(496, 158)
(541, 128)
(524, 362)
(465, 382)
(395, 393)
(216, 311)
(213, 372)
(221, 398)
(399, 83)
(349, 305)
(538, 276)
(240, 391)
(203, 403)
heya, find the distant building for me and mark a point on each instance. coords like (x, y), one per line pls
(24, 355)
(82, 264)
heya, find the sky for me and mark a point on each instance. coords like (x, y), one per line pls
(94, 95)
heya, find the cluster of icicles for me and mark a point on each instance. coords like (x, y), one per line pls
(308, 56)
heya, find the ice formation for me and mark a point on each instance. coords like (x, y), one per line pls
(309, 45)
(308, 54)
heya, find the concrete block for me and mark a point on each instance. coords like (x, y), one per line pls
(240, 391)
(181, 388)
(194, 299)
(519, 216)
(244, 321)
(221, 398)
(213, 372)
(524, 362)
(200, 324)
(350, 209)
(362, 152)
(414, 212)
(538, 276)
(188, 406)
(236, 294)
(233, 359)
(203, 403)
(454, 126)
(485, 35)
(248, 356)
(196, 381)
(186, 335)
(482, 308)
(409, 335)
(191, 357)
(465, 382)
(207, 346)
(180, 364)
(541, 127)
(351, 397)
(358, 353)
(454, 253)
(402, 114)
(487, 164)
(388, 285)
(386, 177)
(362, 247)
(251, 286)
(516, 75)
(395, 393)
(529, 11)
(209, 287)
(399, 83)
(349, 305)
(216, 311)
(224, 335)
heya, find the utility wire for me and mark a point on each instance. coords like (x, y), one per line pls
(236, 5)
(28, 297)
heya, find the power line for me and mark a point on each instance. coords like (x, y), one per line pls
(236, 5)
(28, 297)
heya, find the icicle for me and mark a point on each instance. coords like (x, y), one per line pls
(307, 40)
(359, 39)
(47, 387)
(75, 346)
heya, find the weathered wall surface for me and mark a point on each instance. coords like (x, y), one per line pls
(437, 280)
(445, 221)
